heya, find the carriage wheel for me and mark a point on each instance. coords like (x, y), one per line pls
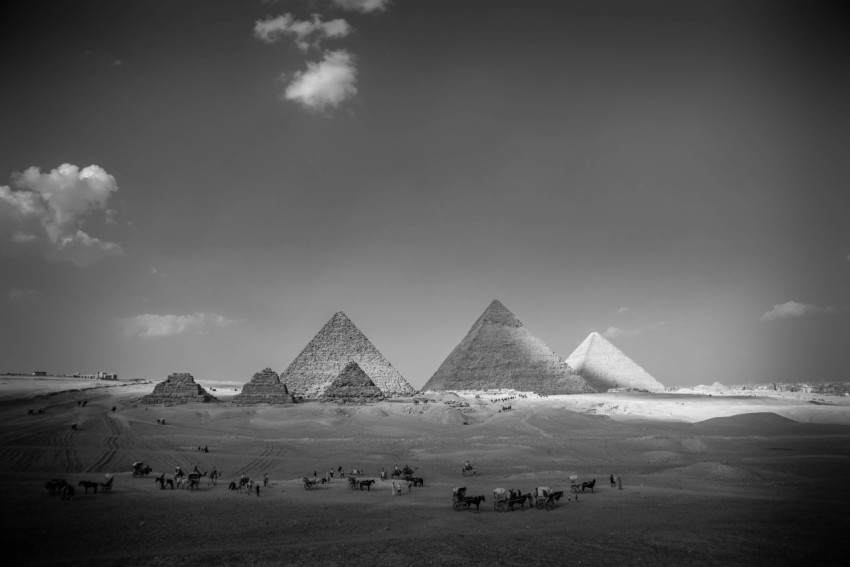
(458, 506)
(540, 503)
(550, 505)
(501, 506)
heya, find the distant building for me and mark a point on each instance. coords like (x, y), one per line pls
(39, 373)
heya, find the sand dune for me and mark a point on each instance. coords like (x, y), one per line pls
(713, 487)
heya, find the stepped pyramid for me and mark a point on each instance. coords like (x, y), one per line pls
(178, 388)
(352, 386)
(499, 352)
(605, 366)
(334, 346)
(264, 388)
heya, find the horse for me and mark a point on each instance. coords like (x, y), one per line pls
(477, 500)
(194, 484)
(213, 478)
(163, 481)
(232, 485)
(416, 480)
(106, 486)
(521, 500)
(86, 484)
(589, 485)
(367, 483)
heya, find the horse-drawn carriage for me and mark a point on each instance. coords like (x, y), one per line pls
(545, 497)
(310, 483)
(141, 469)
(468, 469)
(504, 500)
(460, 501)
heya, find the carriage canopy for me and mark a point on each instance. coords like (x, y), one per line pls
(459, 492)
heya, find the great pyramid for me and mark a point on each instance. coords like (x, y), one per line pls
(499, 352)
(352, 386)
(264, 388)
(334, 346)
(605, 366)
(178, 388)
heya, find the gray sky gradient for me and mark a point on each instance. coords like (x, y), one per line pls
(672, 173)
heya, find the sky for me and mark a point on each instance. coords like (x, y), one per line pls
(198, 186)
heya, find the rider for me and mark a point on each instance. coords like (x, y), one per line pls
(467, 466)
(178, 471)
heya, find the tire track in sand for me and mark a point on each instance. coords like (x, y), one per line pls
(111, 442)
(268, 456)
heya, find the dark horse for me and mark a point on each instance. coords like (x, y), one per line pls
(163, 481)
(477, 500)
(416, 480)
(367, 483)
(589, 485)
(86, 484)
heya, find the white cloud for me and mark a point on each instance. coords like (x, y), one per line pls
(362, 6)
(613, 332)
(325, 84)
(50, 209)
(795, 310)
(623, 310)
(617, 332)
(20, 295)
(306, 34)
(149, 325)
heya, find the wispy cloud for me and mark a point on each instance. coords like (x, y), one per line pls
(305, 33)
(623, 311)
(325, 84)
(362, 6)
(150, 325)
(795, 310)
(21, 295)
(617, 332)
(48, 210)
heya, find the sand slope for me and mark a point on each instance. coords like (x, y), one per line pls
(751, 476)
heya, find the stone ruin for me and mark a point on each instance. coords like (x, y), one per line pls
(178, 388)
(336, 344)
(352, 386)
(500, 352)
(264, 388)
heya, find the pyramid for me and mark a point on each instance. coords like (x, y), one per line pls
(352, 386)
(605, 366)
(499, 352)
(264, 388)
(334, 346)
(178, 388)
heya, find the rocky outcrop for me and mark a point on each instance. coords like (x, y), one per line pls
(500, 352)
(605, 366)
(264, 388)
(352, 386)
(178, 388)
(334, 346)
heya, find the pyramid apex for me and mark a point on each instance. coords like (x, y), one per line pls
(497, 312)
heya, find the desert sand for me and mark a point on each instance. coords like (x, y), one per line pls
(706, 480)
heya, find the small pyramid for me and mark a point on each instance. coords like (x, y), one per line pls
(352, 386)
(500, 352)
(178, 388)
(265, 387)
(605, 366)
(334, 346)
